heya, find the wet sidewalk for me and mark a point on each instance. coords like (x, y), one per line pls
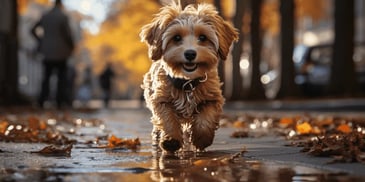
(265, 158)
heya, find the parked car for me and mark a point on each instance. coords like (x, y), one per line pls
(313, 68)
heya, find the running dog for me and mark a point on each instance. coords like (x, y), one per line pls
(182, 86)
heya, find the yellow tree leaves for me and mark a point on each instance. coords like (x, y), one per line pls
(311, 8)
(118, 42)
(270, 17)
(23, 4)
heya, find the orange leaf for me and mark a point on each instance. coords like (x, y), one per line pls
(114, 141)
(344, 128)
(239, 124)
(42, 125)
(285, 120)
(33, 123)
(304, 128)
(3, 126)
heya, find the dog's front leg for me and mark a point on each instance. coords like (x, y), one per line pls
(205, 124)
(170, 127)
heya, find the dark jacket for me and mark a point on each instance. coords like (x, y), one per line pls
(56, 42)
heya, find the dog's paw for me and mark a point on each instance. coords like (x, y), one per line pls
(203, 141)
(171, 145)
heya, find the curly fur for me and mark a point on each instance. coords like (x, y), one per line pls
(185, 44)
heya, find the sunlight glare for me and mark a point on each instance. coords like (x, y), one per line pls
(244, 63)
(95, 12)
(85, 6)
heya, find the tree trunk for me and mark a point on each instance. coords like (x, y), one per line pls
(237, 82)
(256, 90)
(343, 81)
(288, 88)
(9, 94)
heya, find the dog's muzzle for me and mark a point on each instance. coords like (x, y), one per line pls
(190, 67)
(190, 56)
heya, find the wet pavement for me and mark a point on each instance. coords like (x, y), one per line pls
(265, 158)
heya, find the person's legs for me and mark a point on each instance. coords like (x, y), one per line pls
(106, 97)
(61, 96)
(47, 72)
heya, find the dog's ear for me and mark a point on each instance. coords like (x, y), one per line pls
(226, 32)
(152, 32)
(151, 35)
(226, 35)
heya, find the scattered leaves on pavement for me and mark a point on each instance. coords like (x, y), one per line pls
(61, 130)
(342, 138)
(348, 147)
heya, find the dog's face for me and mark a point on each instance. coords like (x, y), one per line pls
(190, 41)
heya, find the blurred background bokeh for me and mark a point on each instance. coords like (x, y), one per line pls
(288, 49)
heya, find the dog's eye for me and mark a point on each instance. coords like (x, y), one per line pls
(177, 38)
(202, 38)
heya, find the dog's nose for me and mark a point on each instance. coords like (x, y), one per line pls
(190, 54)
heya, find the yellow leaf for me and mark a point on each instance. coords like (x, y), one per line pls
(304, 128)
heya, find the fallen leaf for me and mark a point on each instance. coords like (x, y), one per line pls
(344, 128)
(53, 150)
(286, 121)
(304, 128)
(239, 134)
(33, 123)
(3, 126)
(115, 142)
(239, 124)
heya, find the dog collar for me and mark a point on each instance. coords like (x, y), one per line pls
(187, 85)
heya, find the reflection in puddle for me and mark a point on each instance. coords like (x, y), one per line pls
(223, 166)
(220, 166)
(187, 166)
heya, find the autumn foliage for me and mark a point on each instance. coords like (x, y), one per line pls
(119, 43)
(342, 138)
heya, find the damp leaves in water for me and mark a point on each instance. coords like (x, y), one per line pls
(115, 142)
(221, 161)
(54, 151)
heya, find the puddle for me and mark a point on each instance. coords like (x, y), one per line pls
(189, 166)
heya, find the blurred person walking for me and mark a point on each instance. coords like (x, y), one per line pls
(56, 45)
(105, 80)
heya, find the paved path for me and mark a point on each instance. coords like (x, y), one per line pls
(130, 121)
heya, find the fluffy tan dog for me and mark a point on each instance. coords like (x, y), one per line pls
(182, 85)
